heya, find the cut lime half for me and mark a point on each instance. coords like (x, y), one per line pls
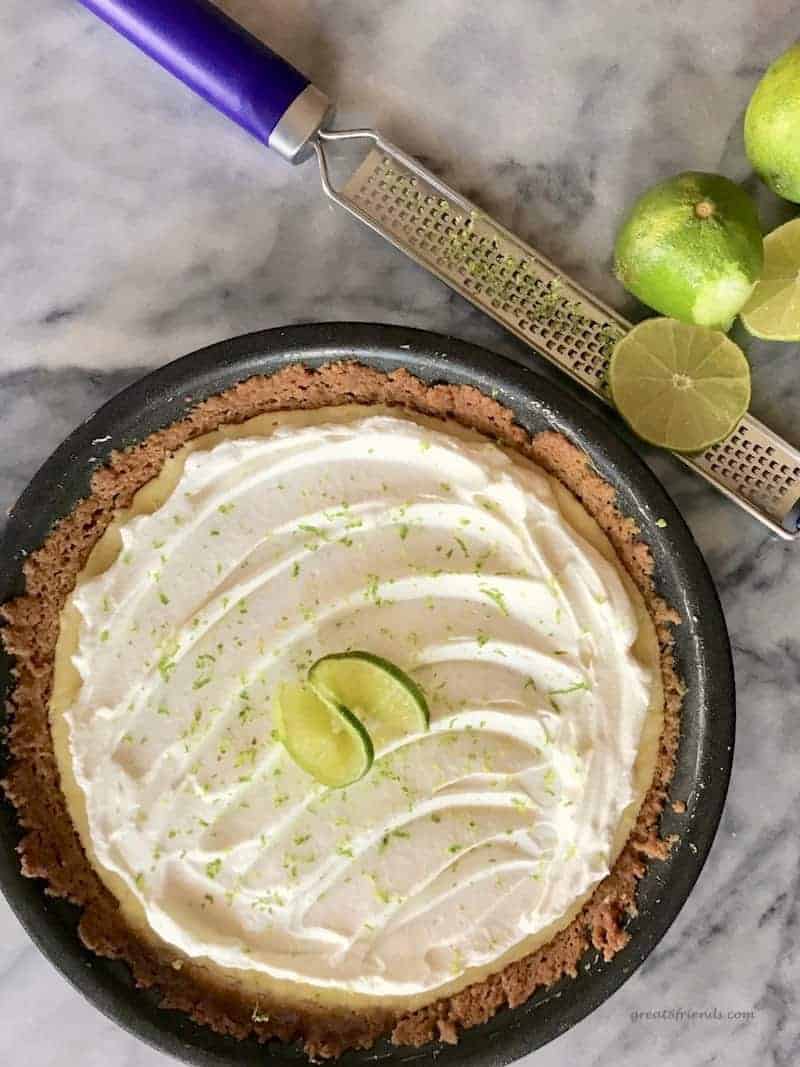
(322, 737)
(678, 386)
(773, 311)
(385, 699)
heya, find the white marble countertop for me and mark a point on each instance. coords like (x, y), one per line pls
(137, 225)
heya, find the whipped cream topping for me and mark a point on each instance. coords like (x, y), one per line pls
(443, 555)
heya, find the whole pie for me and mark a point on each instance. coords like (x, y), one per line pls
(324, 512)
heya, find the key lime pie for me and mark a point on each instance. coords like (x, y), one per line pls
(358, 715)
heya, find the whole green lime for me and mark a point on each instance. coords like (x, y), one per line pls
(691, 248)
(772, 126)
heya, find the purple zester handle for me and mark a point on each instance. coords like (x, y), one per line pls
(226, 65)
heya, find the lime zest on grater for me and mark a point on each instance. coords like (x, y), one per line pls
(518, 287)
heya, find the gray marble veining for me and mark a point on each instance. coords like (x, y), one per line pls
(137, 225)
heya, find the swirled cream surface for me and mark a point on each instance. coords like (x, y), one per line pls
(302, 535)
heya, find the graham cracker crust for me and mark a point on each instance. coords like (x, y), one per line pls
(50, 848)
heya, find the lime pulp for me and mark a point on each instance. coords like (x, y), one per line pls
(773, 311)
(677, 386)
(324, 738)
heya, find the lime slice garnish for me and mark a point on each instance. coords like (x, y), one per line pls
(678, 386)
(773, 311)
(322, 737)
(386, 700)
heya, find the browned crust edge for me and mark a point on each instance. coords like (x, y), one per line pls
(50, 848)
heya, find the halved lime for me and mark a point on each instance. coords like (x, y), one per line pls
(386, 700)
(677, 386)
(773, 311)
(322, 737)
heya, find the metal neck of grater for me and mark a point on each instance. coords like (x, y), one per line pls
(477, 257)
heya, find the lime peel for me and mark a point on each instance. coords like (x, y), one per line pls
(691, 248)
(772, 126)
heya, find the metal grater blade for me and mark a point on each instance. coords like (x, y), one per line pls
(528, 295)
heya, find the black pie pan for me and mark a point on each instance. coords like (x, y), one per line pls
(702, 652)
